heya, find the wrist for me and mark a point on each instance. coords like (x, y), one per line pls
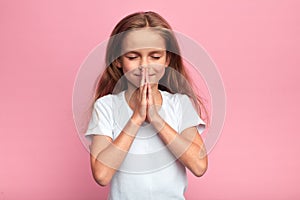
(158, 123)
(131, 128)
(136, 121)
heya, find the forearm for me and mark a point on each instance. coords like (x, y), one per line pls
(190, 154)
(109, 160)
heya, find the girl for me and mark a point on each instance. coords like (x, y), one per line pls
(144, 127)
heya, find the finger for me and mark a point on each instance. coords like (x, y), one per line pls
(150, 97)
(147, 75)
(144, 94)
(142, 78)
(148, 84)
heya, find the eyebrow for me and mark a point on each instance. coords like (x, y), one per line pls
(136, 52)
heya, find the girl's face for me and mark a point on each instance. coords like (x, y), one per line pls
(143, 49)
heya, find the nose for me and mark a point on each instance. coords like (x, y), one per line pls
(144, 63)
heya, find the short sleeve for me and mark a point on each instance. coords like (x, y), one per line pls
(101, 122)
(189, 116)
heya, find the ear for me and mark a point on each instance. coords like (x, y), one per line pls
(168, 60)
(118, 62)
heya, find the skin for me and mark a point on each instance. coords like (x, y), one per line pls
(144, 99)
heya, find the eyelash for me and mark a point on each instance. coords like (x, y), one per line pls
(131, 58)
(154, 57)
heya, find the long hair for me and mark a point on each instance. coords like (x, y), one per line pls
(176, 80)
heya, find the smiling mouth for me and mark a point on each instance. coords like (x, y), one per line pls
(141, 75)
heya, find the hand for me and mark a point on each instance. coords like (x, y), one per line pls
(152, 113)
(146, 110)
(140, 112)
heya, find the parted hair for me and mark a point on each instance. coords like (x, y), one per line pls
(175, 80)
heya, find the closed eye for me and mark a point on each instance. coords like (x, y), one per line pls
(156, 57)
(132, 57)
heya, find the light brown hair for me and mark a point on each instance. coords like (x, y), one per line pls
(176, 80)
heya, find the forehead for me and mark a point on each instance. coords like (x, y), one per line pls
(142, 39)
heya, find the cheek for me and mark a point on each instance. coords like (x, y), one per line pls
(159, 68)
(134, 80)
(129, 66)
(159, 73)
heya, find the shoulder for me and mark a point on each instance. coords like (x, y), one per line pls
(175, 101)
(179, 102)
(108, 100)
(175, 98)
(103, 101)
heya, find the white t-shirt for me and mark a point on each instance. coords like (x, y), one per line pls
(150, 170)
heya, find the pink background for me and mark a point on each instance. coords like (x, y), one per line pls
(255, 45)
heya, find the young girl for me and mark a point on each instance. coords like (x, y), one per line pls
(144, 126)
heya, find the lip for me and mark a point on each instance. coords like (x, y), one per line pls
(141, 75)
